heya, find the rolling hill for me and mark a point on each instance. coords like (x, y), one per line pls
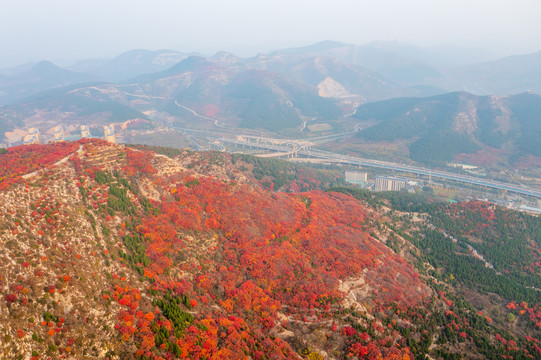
(389, 61)
(64, 106)
(440, 68)
(441, 127)
(197, 91)
(285, 90)
(42, 76)
(129, 64)
(507, 76)
(137, 252)
(358, 83)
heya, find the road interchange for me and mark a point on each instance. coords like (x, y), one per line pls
(299, 149)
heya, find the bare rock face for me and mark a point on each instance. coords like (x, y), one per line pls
(331, 88)
(504, 119)
(465, 122)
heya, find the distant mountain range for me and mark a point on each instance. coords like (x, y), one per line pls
(332, 77)
(510, 75)
(194, 90)
(442, 68)
(283, 90)
(388, 62)
(42, 76)
(130, 64)
(18, 69)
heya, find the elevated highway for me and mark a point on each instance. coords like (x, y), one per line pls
(302, 148)
(430, 173)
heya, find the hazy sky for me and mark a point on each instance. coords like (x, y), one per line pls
(69, 30)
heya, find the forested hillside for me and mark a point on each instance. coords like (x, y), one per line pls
(154, 253)
(442, 128)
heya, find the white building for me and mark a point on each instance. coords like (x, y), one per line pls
(58, 134)
(85, 131)
(387, 183)
(32, 137)
(356, 177)
(109, 133)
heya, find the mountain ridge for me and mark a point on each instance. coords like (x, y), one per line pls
(42, 76)
(132, 63)
(443, 126)
(119, 252)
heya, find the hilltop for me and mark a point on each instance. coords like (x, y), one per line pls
(42, 76)
(151, 253)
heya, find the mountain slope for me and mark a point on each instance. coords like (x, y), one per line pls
(126, 253)
(359, 82)
(177, 263)
(441, 127)
(507, 76)
(66, 106)
(276, 103)
(257, 99)
(199, 92)
(386, 60)
(130, 64)
(44, 75)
